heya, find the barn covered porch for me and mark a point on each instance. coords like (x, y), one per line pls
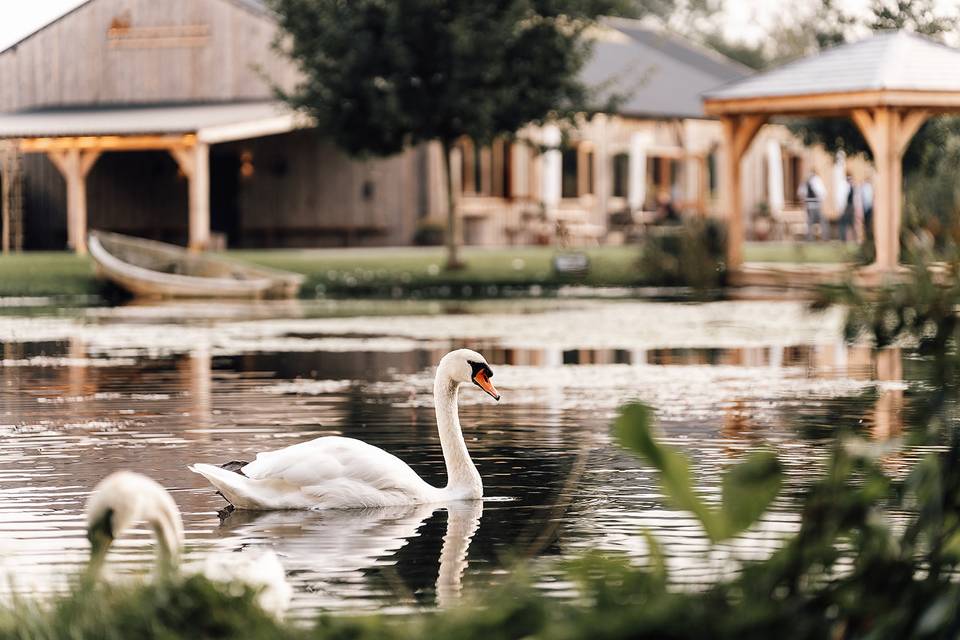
(74, 139)
(887, 85)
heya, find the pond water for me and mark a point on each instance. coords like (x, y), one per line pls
(156, 387)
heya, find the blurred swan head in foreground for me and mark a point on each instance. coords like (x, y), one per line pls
(125, 498)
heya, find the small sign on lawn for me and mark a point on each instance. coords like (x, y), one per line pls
(571, 263)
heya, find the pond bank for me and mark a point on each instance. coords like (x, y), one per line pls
(394, 271)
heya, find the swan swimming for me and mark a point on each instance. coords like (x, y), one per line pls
(334, 472)
(124, 498)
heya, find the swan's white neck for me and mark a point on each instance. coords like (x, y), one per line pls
(463, 479)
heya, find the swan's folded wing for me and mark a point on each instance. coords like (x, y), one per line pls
(334, 461)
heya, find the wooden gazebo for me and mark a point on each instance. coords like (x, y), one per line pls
(888, 85)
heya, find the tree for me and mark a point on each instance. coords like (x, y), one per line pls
(382, 75)
(914, 15)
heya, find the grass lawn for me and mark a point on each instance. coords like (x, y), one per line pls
(367, 270)
(381, 270)
(799, 252)
(47, 273)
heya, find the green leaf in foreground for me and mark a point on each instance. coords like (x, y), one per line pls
(748, 490)
(748, 487)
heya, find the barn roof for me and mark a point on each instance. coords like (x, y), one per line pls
(211, 122)
(660, 74)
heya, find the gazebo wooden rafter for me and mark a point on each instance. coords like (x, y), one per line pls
(888, 85)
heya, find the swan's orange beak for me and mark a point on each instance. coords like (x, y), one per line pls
(482, 380)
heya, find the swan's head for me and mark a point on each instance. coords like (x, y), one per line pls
(464, 366)
(124, 498)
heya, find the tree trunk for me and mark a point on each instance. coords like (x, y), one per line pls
(453, 227)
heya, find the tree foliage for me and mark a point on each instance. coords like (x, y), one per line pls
(381, 75)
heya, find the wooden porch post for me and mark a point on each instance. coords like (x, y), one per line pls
(888, 132)
(738, 133)
(195, 164)
(200, 198)
(75, 165)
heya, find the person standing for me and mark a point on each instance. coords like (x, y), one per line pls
(866, 202)
(813, 192)
(846, 221)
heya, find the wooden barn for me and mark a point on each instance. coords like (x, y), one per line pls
(159, 119)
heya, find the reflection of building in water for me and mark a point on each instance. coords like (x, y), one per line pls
(823, 360)
(199, 372)
(77, 352)
(888, 412)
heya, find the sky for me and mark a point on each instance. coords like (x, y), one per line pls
(743, 19)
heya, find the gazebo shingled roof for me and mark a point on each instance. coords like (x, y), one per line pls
(892, 61)
(888, 85)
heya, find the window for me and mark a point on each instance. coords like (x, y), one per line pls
(793, 177)
(506, 168)
(478, 185)
(621, 175)
(588, 160)
(486, 170)
(569, 185)
(654, 177)
(467, 161)
(712, 178)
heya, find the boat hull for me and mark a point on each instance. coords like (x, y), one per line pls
(152, 269)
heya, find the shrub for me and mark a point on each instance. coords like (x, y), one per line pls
(429, 234)
(689, 255)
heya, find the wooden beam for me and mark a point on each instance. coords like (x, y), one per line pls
(819, 104)
(747, 129)
(910, 123)
(863, 118)
(87, 160)
(730, 181)
(199, 223)
(184, 159)
(106, 143)
(71, 163)
(886, 198)
(59, 160)
(738, 133)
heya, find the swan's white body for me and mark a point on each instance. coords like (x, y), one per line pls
(343, 473)
(125, 498)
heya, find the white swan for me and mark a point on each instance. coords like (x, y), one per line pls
(124, 498)
(342, 473)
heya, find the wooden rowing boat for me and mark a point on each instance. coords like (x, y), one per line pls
(159, 270)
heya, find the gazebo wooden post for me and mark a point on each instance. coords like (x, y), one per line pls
(888, 132)
(738, 133)
(194, 161)
(75, 164)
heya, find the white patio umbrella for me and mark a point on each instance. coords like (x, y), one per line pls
(637, 181)
(840, 185)
(552, 169)
(775, 199)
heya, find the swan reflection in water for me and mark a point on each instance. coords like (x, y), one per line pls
(335, 551)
